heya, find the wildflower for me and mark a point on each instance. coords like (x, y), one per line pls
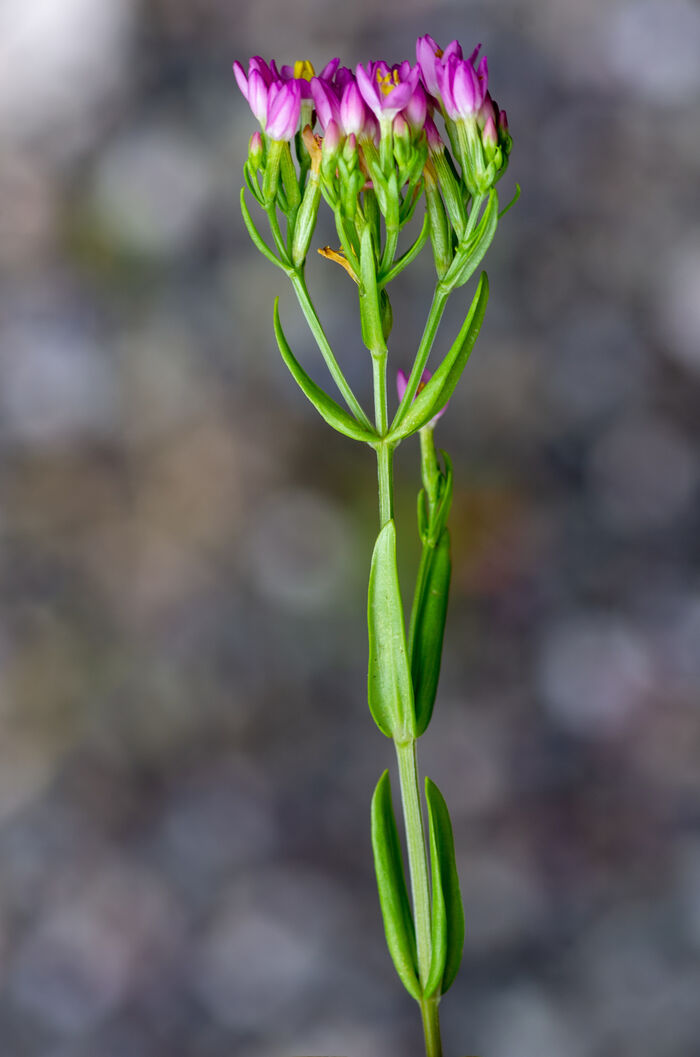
(385, 89)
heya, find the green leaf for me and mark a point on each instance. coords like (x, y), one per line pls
(327, 408)
(512, 202)
(429, 632)
(447, 912)
(391, 883)
(255, 235)
(471, 253)
(389, 689)
(439, 389)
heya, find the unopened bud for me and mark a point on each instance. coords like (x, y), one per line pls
(256, 151)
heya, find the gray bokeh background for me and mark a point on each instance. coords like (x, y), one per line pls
(186, 758)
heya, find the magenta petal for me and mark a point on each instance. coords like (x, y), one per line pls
(283, 112)
(258, 95)
(417, 108)
(368, 90)
(453, 48)
(241, 78)
(466, 90)
(325, 102)
(328, 71)
(401, 384)
(352, 110)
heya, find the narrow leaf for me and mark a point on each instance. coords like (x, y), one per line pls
(447, 912)
(391, 884)
(439, 389)
(429, 632)
(334, 415)
(389, 690)
(255, 235)
(471, 253)
(512, 202)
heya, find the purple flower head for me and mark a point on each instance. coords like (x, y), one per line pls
(462, 89)
(303, 72)
(387, 89)
(353, 112)
(430, 57)
(326, 102)
(402, 386)
(283, 110)
(255, 86)
(417, 108)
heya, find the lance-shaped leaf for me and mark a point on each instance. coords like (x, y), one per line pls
(471, 253)
(389, 689)
(435, 394)
(429, 631)
(334, 415)
(255, 235)
(447, 919)
(391, 883)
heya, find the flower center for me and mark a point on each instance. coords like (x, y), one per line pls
(303, 70)
(388, 81)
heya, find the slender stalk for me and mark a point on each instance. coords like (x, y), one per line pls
(299, 284)
(408, 766)
(431, 1026)
(432, 323)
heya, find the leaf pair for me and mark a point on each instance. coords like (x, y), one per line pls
(447, 914)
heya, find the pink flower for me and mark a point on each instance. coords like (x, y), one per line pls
(304, 73)
(402, 385)
(276, 104)
(461, 88)
(431, 57)
(387, 90)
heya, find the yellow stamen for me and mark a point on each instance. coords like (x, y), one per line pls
(303, 70)
(339, 258)
(388, 81)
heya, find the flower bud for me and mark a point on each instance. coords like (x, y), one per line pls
(256, 151)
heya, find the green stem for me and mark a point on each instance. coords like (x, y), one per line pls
(385, 452)
(431, 1026)
(297, 281)
(432, 323)
(417, 855)
(406, 756)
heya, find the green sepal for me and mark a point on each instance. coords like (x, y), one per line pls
(370, 312)
(429, 631)
(327, 408)
(389, 688)
(391, 884)
(305, 222)
(472, 251)
(447, 918)
(255, 235)
(435, 394)
(290, 180)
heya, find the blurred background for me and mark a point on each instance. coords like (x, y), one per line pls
(186, 757)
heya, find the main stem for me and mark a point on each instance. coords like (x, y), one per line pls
(406, 757)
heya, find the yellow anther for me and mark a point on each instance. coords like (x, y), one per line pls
(388, 81)
(303, 70)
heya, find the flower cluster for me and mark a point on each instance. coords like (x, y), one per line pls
(378, 104)
(368, 141)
